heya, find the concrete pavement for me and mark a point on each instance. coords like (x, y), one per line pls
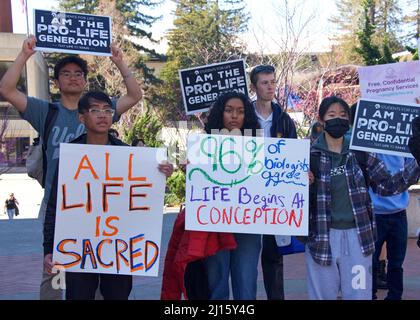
(21, 255)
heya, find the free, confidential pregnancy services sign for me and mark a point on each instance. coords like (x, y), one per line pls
(398, 82)
(72, 33)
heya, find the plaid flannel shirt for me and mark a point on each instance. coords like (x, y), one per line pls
(382, 183)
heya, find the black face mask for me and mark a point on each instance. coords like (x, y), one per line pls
(337, 127)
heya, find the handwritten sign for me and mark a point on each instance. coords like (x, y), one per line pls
(72, 32)
(399, 82)
(109, 209)
(202, 85)
(383, 127)
(247, 185)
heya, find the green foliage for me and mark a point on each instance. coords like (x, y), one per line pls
(147, 126)
(171, 200)
(367, 50)
(204, 32)
(130, 9)
(176, 184)
(370, 52)
(379, 30)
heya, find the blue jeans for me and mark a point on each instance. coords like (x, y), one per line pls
(241, 264)
(392, 228)
(11, 213)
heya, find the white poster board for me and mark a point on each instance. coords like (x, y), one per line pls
(109, 209)
(247, 185)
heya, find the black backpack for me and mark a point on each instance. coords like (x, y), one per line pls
(36, 161)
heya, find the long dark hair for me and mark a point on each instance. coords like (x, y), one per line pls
(215, 117)
(327, 102)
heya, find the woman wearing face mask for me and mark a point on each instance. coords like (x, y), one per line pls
(342, 230)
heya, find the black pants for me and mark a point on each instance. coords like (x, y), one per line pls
(82, 286)
(272, 266)
(196, 281)
(391, 228)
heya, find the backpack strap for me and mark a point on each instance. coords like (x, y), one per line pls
(361, 157)
(49, 123)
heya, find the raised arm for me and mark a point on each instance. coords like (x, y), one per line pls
(134, 93)
(8, 84)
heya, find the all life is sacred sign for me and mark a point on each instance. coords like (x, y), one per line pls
(72, 33)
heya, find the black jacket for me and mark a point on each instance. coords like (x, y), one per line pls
(49, 223)
(282, 126)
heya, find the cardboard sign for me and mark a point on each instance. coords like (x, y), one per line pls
(383, 127)
(245, 184)
(202, 85)
(399, 82)
(72, 33)
(109, 209)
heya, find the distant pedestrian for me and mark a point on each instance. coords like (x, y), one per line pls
(11, 206)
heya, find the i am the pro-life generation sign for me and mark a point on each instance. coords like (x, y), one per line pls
(245, 184)
(109, 209)
(202, 85)
(72, 33)
(383, 127)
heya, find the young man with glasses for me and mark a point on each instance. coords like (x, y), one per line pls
(70, 76)
(276, 123)
(95, 112)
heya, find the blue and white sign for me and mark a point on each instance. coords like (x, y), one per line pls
(72, 33)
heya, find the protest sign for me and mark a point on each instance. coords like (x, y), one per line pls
(398, 82)
(244, 184)
(202, 85)
(383, 127)
(72, 33)
(109, 209)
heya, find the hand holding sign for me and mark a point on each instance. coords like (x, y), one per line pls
(117, 54)
(28, 46)
(166, 168)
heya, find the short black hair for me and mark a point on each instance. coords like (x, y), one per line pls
(327, 102)
(70, 59)
(353, 113)
(262, 68)
(215, 117)
(86, 99)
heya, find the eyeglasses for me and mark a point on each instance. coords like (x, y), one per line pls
(68, 74)
(100, 112)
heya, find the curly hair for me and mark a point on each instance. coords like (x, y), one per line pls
(215, 117)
